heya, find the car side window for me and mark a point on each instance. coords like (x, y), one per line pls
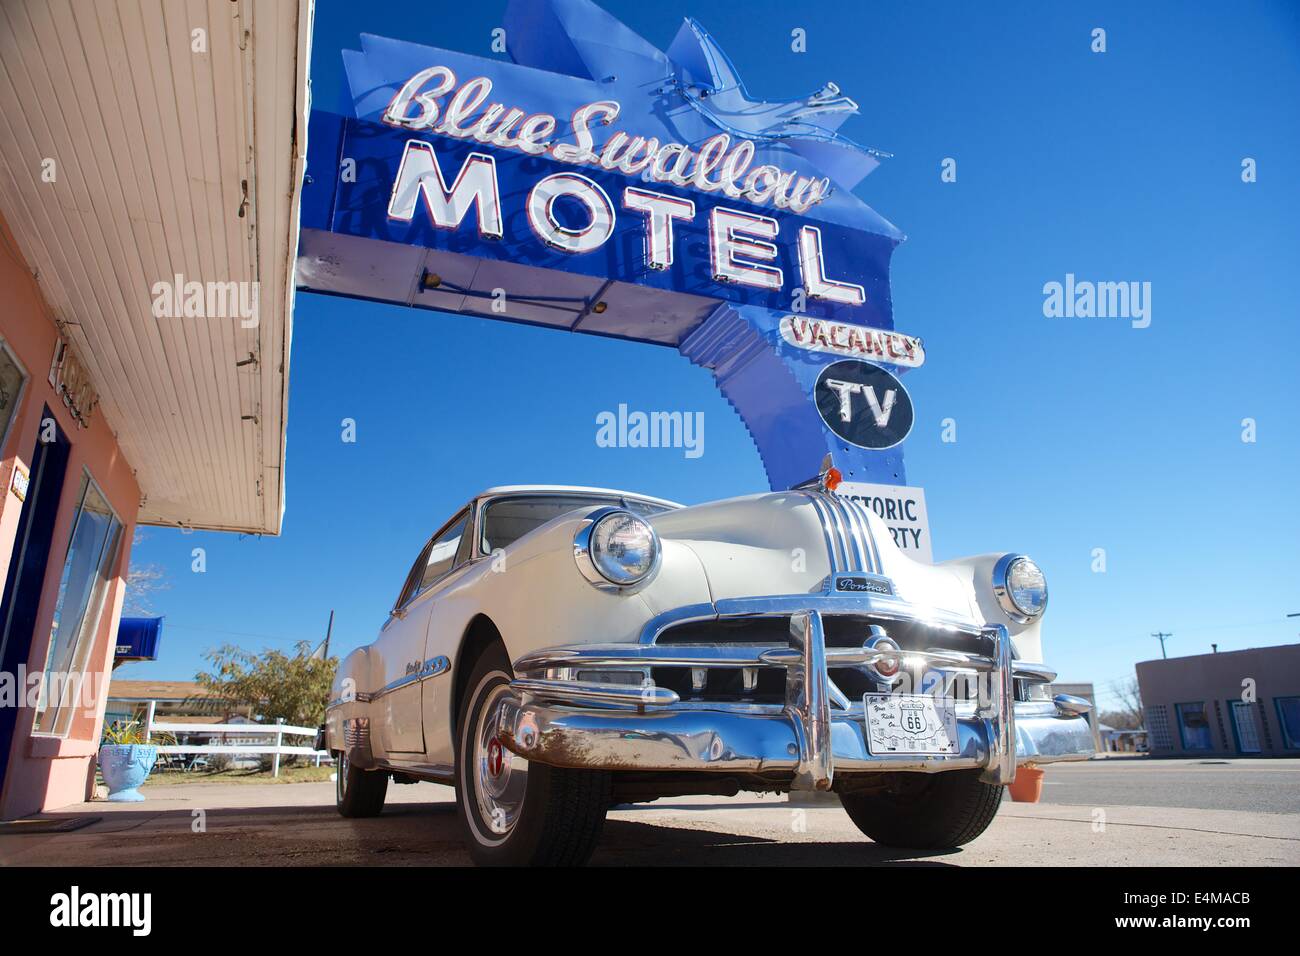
(413, 578)
(442, 554)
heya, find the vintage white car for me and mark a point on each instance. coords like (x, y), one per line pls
(556, 651)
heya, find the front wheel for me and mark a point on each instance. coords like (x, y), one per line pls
(517, 813)
(357, 792)
(924, 811)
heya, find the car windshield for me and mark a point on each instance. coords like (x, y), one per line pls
(506, 520)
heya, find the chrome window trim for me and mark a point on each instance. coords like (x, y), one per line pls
(403, 601)
(618, 501)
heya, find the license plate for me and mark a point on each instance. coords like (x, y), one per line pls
(910, 724)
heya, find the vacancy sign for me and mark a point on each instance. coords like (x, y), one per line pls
(902, 508)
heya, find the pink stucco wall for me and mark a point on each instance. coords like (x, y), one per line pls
(45, 773)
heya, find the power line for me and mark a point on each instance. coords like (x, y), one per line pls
(217, 630)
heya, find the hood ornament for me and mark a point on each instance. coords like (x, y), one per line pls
(827, 480)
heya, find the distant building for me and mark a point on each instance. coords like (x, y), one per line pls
(175, 701)
(1233, 703)
(1123, 741)
(180, 702)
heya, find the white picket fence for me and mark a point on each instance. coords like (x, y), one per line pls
(278, 730)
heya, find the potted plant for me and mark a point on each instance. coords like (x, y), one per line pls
(125, 761)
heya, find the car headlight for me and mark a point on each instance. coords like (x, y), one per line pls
(1020, 587)
(617, 548)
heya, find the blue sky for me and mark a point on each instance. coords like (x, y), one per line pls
(1072, 434)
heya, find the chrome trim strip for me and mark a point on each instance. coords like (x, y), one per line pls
(998, 714)
(596, 656)
(868, 540)
(865, 514)
(808, 705)
(1034, 673)
(430, 668)
(850, 544)
(1068, 705)
(855, 533)
(746, 740)
(639, 655)
(879, 605)
(841, 533)
(826, 533)
(860, 603)
(583, 692)
(686, 614)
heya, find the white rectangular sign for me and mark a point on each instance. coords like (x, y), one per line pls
(902, 508)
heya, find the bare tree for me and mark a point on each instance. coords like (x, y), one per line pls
(1129, 715)
(142, 583)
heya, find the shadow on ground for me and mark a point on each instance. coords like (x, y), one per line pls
(407, 834)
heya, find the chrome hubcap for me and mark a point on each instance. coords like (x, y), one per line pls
(341, 776)
(500, 777)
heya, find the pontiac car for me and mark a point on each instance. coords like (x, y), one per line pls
(556, 651)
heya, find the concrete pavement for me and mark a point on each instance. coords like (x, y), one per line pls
(296, 825)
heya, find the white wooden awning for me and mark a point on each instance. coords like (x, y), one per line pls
(155, 147)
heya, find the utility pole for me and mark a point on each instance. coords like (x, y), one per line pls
(1162, 635)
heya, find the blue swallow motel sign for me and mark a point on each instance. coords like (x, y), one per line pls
(593, 183)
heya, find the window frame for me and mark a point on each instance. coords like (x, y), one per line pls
(411, 587)
(1288, 742)
(110, 557)
(613, 498)
(1182, 730)
(1236, 727)
(8, 425)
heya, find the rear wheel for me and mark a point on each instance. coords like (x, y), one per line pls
(926, 811)
(357, 792)
(517, 813)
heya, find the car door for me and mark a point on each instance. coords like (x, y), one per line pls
(404, 664)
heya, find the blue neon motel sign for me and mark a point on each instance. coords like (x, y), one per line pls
(611, 188)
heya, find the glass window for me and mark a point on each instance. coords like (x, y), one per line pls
(1243, 723)
(442, 554)
(1194, 726)
(1288, 715)
(92, 551)
(413, 577)
(13, 377)
(506, 520)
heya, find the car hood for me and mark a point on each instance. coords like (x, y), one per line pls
(774, 543)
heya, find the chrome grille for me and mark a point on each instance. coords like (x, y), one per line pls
(356, 732)
(850, 546)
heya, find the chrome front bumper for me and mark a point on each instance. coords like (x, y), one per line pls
(816, 734)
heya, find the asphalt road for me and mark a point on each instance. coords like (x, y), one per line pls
(1258, 786)
(1104, 813)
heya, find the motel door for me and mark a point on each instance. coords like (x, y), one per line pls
(32, 546)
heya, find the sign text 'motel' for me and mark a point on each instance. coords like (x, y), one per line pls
(741, 243)
(613, 188)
